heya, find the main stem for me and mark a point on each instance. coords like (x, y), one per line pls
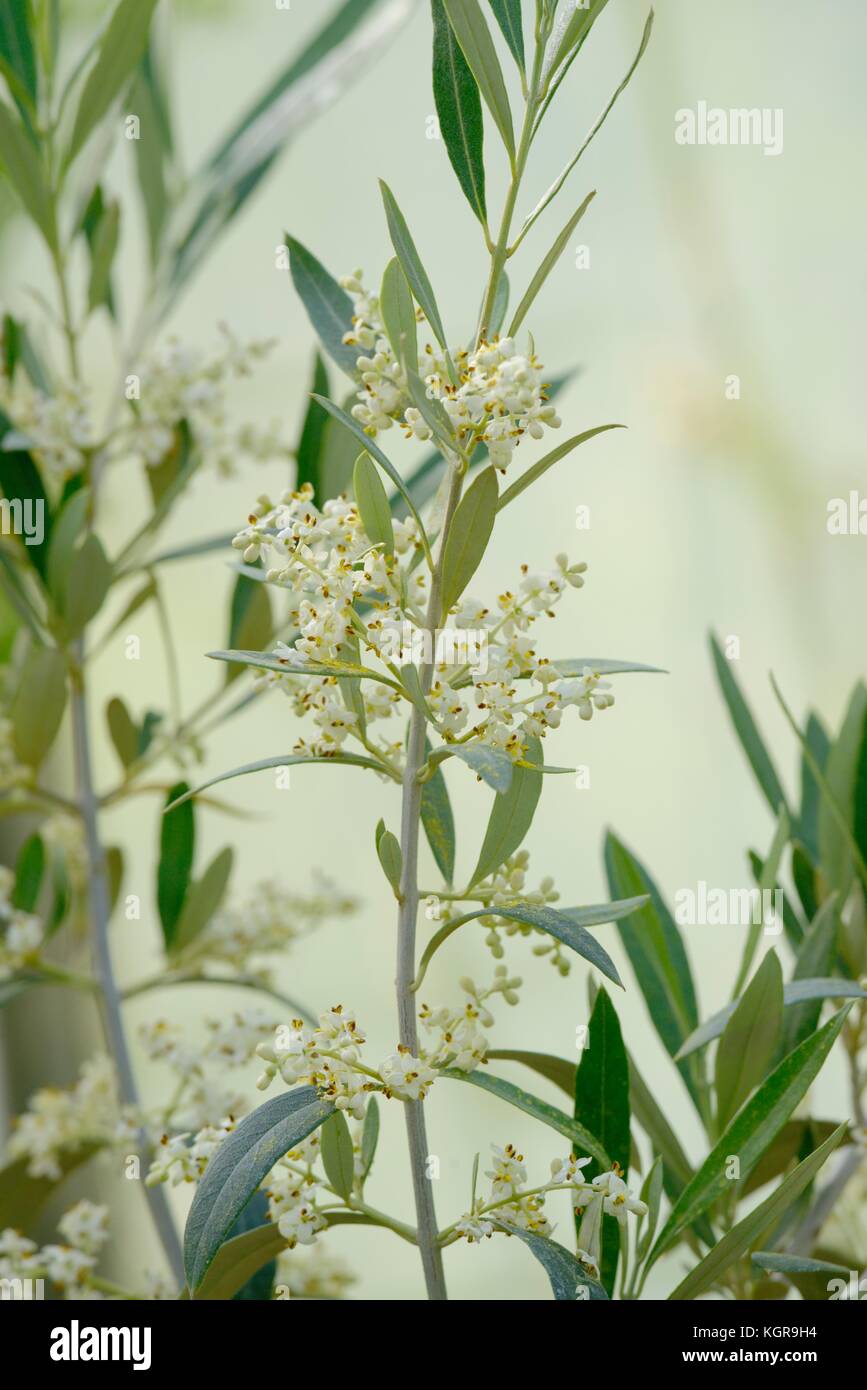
(100, 913)
(431, 1254)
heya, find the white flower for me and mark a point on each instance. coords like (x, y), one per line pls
(64, 1265)
(85, 1226)
(406, 1076)
(474, 1228)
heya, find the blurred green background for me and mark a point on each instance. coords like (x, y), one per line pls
(708, 512)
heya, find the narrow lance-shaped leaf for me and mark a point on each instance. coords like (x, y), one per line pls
(239, 1167)
(468, 536)
(372, 503)
(738, 1240)
(746, 729)
(794, 993)
(39, 703)
(19, 158)
(511, 816)
(578, 1135)
(816, 959)
(204, 899)
(752, 1130)
(808, 822)
(17, 56)
(459, 108)
(570, 1281)
(657, 955)
(474, 37)
(312, 442)
(405, 250)
(120, 51)
(560, 181)
(328, 306)
(508, 15)
(398, 315)
(338, 1158)
(602, 1104)
(548, 264)
(264, 764)
(439, 822)
(750, 1039)
(177, 848)
(847, 763)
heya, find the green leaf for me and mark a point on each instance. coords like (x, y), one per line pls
(338, 1158)
(17, 56)
(177, 849)
(796, 992)
(405, 250)
(203, 899)
(328, 306)
(651, 1195)
(288, 760)
(19, 157)
(738, 1240)
(372, 503)
(68, 525)
(390, 858)
(120, 51)
(103, 241)
(311, 446)
(500, 308)
(459, 108)
(582, 1141)
(603, 666)
(656, 952)
(602, 1104)
(468, 536)
(29, 871)
(816, 958)
(533, 474)
(752, 1130)
(89, 580)
(568, 927)
(795, 1141)
(259, 1288)
(474, 37)
(122, 730)
(376, 453)
(39, 703)
(750, 1039)
(22, 1197)
(240, 1165)
(511, 816)
(154, 147)
(251, 622)
(819, 745)
(398, 315)
(620, 89)
(844, 766)
(508, 15)
(747, 731)
(548, 264)
(439, 823)
(492, 765)
(775, 1263)
(678, 1170)
(569, 1279)
(369, 1137)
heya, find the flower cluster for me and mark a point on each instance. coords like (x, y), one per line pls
(461, 1043)
(492, 395)
(512, 1205)
(56, 429)
(177, 384)
(56, 1121)
(69, 1266)
(21, 933)
(266, 923)
(346, 595)
(314, 1274)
